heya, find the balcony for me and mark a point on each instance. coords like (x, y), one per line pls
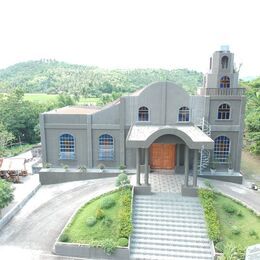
(221, 91)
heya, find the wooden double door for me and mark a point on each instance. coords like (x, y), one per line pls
(162, 156)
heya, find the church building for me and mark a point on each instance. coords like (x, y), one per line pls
(160, 126)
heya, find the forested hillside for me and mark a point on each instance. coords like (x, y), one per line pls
(50, 76)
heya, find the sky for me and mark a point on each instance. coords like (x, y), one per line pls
(131, 33)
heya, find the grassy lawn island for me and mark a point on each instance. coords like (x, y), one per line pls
(102, 222)
(231, 226)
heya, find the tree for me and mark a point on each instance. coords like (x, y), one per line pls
(122, 180)
(6, 194)
(65, 100)
(5, 138)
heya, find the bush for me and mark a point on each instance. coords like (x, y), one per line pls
(91, 221)
(122, 242)
(107, 221)
(220, 246)
(207, 201)
(107, 203)
(235, 230)
(240, 213)
(100, 214)
(252, 233)
(122, 180)
(6, 194)
(229, 208)
(109, 246)
(64, 238)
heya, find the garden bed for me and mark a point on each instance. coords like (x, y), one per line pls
(231, 226)
(100, 228)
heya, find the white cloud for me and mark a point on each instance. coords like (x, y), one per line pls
(134, 33)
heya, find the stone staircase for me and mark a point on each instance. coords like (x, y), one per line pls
(169, 226)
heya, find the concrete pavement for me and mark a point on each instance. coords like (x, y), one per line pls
(33, 231)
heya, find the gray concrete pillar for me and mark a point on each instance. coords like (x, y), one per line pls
(177, 155)
(146, 168)
(138, 166)
(186, 165)
(195, 168)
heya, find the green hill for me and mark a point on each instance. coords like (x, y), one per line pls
(50, 76)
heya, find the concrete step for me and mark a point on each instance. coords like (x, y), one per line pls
(149, 212)
(156, 257)
(173, 218)
(164, 243)
(180, 236)
(167, 197)
(161, 229)
(168, 222)
(154, 205)
(171, 254)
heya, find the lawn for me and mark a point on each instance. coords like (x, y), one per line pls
(115, 224)
(250, 165)
(43, 98)
(243, 220)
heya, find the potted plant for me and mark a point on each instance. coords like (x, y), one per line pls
(101, 166)
(122, 168)
(213, 167)
(230, 164)
(82, 168)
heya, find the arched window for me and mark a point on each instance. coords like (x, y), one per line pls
(225, 82)
(106, 148)
(221, 148)
(224, 111)
(184, 114)
(224, 62)
(143, 114)
(67, 147)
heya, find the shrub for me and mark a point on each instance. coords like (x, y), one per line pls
(122, 241)
(229, 208)
(252, 233)
(235, 230)
(213, 226)
(107, 221)
(122, 180)
(122, 167)
(100, 213)
(240, 213)
(109, 246)
(107, 203)
(220, 246)
(6, 194)
(91, 221)
(83, 168)
(64, 238)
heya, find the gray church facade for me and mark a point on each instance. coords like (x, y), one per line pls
(159, 126)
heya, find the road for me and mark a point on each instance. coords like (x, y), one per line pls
(31, 234)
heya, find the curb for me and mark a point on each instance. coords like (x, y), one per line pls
(17, 208)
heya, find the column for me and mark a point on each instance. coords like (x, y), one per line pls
(138, 166)
(186, 166)
(177, 155)
(195, 168)
(146, 168)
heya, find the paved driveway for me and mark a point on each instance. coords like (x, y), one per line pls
(33, 231)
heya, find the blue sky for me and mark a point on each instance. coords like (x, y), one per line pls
(128, 34)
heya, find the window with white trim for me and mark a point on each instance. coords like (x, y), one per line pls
(184, 114)
(221, 149)
(67, 147)
(143, 114)
(106, 148)
(224, 111)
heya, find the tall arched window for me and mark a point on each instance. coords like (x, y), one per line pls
(224, 62)
(225, 82)
(224, 111)
(143, 114)
(184, 114)
(221, 148)
(106, 148)
(67, 147)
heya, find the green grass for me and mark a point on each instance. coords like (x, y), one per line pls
(246, 223)
(250, 165)
(15, 150)
(79, 232)
(43, 98)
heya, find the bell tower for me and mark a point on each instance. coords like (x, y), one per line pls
(222, 72)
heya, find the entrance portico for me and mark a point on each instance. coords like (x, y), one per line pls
(141, 137)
